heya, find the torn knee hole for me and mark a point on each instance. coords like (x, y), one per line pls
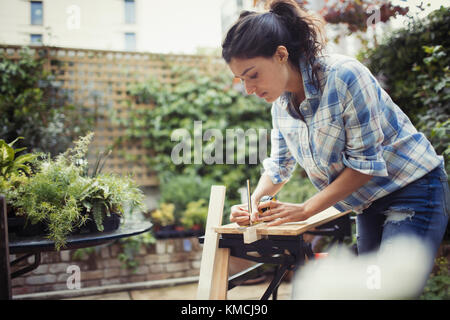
(397, 215)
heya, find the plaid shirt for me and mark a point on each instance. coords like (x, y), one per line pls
(351, 123)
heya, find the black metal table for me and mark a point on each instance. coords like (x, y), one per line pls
(33, 246)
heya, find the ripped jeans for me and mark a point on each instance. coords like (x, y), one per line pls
(420, 208)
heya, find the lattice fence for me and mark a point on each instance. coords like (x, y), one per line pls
(99, 79)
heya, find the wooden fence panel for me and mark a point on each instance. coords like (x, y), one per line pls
(99, 79)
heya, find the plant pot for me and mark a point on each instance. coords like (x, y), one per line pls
(164, 232)
(179, 228)
(110, 223)
(19, 226)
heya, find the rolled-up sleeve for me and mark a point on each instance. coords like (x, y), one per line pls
(281, 163)
(360, 94)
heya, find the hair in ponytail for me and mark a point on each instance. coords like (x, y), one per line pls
(259, 34)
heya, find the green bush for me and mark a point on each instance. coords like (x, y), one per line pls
(182, 189)
(193, 96)
(32, 106)
(61, 195)
(437, 287)
(195, 214)
(433, 81)
(402, 52)
(10, 163)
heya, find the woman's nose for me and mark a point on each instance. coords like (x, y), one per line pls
(249, 88)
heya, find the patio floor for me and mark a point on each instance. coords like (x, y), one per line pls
(189, 292)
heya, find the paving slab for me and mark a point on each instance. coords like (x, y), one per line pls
(189, 292)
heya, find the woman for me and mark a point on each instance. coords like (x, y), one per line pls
(330, 115)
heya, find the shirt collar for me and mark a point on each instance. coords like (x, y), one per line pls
(311, 92)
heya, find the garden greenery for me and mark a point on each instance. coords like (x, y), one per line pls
(158, 109)
(10, 164)
(33, 106)
(437, 287)
(62, 195)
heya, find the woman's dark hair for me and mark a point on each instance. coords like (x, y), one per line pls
(259, 35)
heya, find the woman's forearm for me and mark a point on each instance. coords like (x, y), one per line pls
(265, 187)
(345, 184)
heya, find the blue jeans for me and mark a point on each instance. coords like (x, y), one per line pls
(420, 209)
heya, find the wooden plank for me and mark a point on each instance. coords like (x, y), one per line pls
(219, 283)
(211, 256)
(287, 229)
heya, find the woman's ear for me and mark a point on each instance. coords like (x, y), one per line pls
(281, 54)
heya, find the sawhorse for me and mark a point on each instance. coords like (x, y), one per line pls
(281, 245)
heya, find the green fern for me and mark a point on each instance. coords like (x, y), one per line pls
(97, 213)
(60, 193)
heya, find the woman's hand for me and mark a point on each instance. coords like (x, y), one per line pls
(281, 212)
(239, 214)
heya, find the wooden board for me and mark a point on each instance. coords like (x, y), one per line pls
(212, 283)
(288, 229)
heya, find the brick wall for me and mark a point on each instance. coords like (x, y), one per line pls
(167, 258)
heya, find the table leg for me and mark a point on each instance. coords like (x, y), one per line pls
(280, 272)
(219, 285)
(5, 269)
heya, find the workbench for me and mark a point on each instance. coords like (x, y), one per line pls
(281, 245)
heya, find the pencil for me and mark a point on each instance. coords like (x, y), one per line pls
(249, 201)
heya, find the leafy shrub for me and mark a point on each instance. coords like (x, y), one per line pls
(183, 189)
(402, 51)
(437, 287)
(32, 106)
(51, 197)
(158, 109)
(163, 216)
(9, 163)
(62, 195)
(434, 91)
(195, 214)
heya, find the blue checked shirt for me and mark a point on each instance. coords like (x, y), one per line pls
(351, 123)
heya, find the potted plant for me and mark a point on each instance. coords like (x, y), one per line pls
(163, 219)
(63, 196)
(14, 171)
(194, 217)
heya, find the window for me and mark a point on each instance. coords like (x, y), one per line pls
(130, 12)
(36, 13)
(36, 39)
(130, 41)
